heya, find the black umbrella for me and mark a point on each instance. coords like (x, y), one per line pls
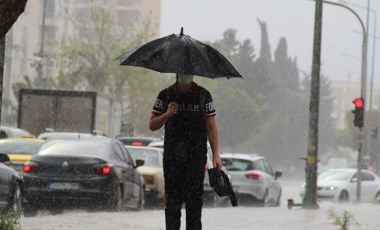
(222, 185)
(180, 54)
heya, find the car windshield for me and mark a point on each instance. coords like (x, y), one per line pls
(149, 156)
(20, 147)
(74, 148)
(335, 175)
(232, 164)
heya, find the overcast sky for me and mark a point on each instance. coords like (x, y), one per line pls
(293, 19)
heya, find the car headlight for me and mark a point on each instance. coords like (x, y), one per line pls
(330, 188)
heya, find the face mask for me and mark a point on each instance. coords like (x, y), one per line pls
(185, 79)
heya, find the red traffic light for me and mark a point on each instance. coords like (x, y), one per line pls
(358, 102)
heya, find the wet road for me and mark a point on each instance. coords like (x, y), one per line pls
(364, 217)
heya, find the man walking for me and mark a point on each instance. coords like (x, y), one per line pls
(188, 113)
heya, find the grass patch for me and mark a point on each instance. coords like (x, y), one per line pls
(10, 221)
(344, 220)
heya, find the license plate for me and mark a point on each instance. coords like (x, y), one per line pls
(64, 186)
(17, 167)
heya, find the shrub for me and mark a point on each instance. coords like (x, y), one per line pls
(10, 221)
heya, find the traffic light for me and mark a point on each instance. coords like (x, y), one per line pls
(358, 112)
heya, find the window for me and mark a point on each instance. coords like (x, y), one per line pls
(102, 2)
(50, 33)
(150, 157)
(367, 177)
(127, 156)
(50, 10)
(130, 3)
(268, 168)
(237, 164)
(83, 15)
(119, 153)
(129, 17)
(260, 165)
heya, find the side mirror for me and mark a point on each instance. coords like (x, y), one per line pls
(277, 174)
(4, 158)
(139, 163)
(354, 180)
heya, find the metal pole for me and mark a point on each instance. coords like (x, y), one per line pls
(373, 60)
(364, 132)
(312, 158)
(2, 56)
(376, 155)
(40, 54)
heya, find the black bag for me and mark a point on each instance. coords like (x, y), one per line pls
(221, 184)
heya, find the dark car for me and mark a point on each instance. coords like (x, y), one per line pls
(10, 187)
(89, 173)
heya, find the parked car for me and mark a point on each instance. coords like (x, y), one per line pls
(65, 135)
(138, 141)
(340, 184)
(11, 187)
(254, 179)
(95, 172)
(19, 150)
(152, 171)
(10, 132)
(210, 197)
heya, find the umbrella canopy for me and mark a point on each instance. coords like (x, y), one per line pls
(180, 54)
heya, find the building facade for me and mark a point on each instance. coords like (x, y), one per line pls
(343, 93)
(45, 24)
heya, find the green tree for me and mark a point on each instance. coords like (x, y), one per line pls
(237, 115)
(237, 111)
(283, 135)
(90, 60)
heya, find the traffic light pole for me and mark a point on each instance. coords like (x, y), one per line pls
(363, 94)
(359, 122)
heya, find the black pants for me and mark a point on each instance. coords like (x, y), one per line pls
(184, 184)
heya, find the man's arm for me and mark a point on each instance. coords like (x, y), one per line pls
(157, 121)
(212, 134)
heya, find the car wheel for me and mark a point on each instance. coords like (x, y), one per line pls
(377, 197)
(343, 196)
(29, 210)
(117, 200)
(15, 204)
(265, 201)
(141, 204)
(278, 201)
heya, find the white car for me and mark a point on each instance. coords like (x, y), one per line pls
(340, 185)
(253, 178)
(152, 171)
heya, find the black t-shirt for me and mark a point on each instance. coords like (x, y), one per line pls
(187, 128)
